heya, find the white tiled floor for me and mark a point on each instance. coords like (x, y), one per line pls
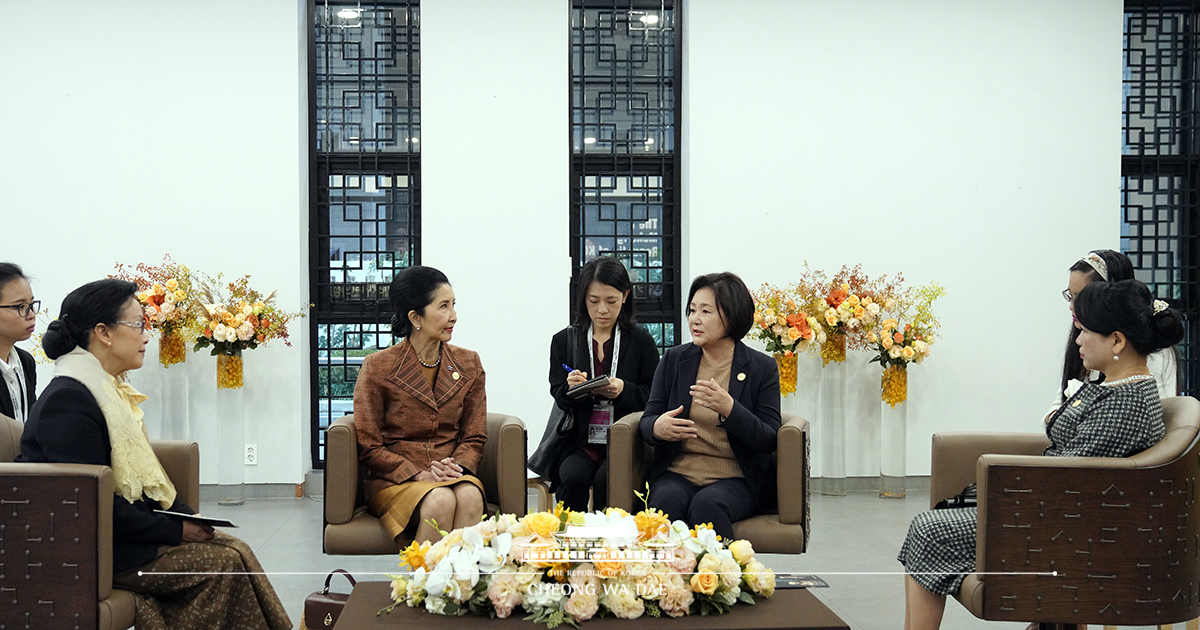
(853, 547)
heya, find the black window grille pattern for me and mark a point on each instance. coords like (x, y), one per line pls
(1160, 162)
(365, 197)
(625, 180)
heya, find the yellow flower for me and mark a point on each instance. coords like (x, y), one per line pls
(888, 324)
(172, 284)
(852, 301)
(791, 305)
(156, 289)
(413, 556)
(872, 337)
(542, 524)
(859, 312)
(180, 295)
(617, 511)
(742, 551)
(650, 522)
(608, 563)
(908, 353)
(831, 317)
(142, 297)
(704, 583)
(887, 342)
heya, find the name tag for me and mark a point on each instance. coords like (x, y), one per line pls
(599, 423)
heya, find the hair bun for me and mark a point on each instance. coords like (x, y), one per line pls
(59, 339)
(1167, 324)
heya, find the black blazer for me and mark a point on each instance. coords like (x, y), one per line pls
(67, 427)
(636, 366)
(752, 426)
(7, 404)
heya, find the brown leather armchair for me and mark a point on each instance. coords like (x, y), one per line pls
(1080, 540)
(56, 536)
(786, 532)
(350, 529)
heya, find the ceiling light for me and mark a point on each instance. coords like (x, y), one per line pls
(589, 141)
(649, 18)
(649, 140)
(349, 14)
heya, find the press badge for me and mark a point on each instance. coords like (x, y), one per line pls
(601, 420)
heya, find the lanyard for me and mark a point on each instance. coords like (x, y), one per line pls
(16, 387)
(615, 354)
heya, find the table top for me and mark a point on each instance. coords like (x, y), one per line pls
(787, 609)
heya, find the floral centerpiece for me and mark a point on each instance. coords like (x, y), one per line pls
(785, 329)
(166, 294)
(238, 318)
(567, 567)
(898, 344)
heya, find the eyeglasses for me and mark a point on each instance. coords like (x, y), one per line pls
(23, 310)
(1067, 296)
(140, 325)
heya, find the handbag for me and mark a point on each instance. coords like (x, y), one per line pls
(560, 434)
(965, 499)
(322, 608)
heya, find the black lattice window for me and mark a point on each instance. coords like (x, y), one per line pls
(365, 215)
(625, 94)
(1161, 158)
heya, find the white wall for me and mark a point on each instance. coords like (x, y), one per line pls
(494, 109)
(972, 144)
(975, 144)
(130, 132)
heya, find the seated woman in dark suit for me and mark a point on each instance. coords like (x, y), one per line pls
(420, 413)
(607, 340)
(183, 575)
(18, 311)
(713, 414)
(1121, 324)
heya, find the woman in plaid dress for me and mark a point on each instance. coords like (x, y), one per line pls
(1121, 324)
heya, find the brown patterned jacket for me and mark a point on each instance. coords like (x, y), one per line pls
(403, 425)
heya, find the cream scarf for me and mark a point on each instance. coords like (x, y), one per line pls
(136, 470)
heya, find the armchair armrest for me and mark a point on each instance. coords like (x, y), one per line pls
(181, 460)
(502, 469)
(626, 462)
(792, 470)
(955, 455)
(341, 471)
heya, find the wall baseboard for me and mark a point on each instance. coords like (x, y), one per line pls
(209, 492)
(871, 484)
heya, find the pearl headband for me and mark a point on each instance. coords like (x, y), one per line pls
(1097, 263)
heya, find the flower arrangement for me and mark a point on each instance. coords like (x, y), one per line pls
(567, 567)
(165, 292)
(785, 329)
(846, 305)
(238, 318)
(898, 344)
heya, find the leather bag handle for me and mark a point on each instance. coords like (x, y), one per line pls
(334, 572)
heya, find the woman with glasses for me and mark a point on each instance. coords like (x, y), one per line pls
(18, 311)
(1104, 265)
(182, 574)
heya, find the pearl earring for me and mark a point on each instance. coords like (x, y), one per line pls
(1116, 358)
(418, 328)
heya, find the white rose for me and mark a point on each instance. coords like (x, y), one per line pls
(245, 332)
(894, 352)
(168, 307)
(219, 332)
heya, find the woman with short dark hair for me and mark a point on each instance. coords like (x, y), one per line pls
(420, 414)
(1120, 325)
(183, 575)
(18, 313)
(713, 414)
(605, 334)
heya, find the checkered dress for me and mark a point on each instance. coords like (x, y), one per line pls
(1098, 421)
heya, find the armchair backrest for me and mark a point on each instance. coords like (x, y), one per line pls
(1181, 414)
(10, 438)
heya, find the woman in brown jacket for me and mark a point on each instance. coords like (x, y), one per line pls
(420, 412)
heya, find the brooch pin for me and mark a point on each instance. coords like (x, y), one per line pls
(453, 373)
(741, 376)
(1076, 403)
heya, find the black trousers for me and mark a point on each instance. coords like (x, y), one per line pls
(577, 474)
(721, 503)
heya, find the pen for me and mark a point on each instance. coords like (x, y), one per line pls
(568, 368)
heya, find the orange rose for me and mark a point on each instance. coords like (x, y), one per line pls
(704, 582)
(898, 337)
(796, 319)
(607, 563)
(252, 319)
(542, 524)
(836, 297)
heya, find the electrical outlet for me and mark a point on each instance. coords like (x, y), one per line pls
(251, 455)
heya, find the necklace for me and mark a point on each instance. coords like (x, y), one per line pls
(1128, 379)
(435, 363)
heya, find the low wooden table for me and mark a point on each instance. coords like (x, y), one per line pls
(787, 609)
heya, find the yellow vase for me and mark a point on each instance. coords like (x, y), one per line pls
(834, 349)
(229, 371)
(171, 349)
(787, 372)
(895, 385)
